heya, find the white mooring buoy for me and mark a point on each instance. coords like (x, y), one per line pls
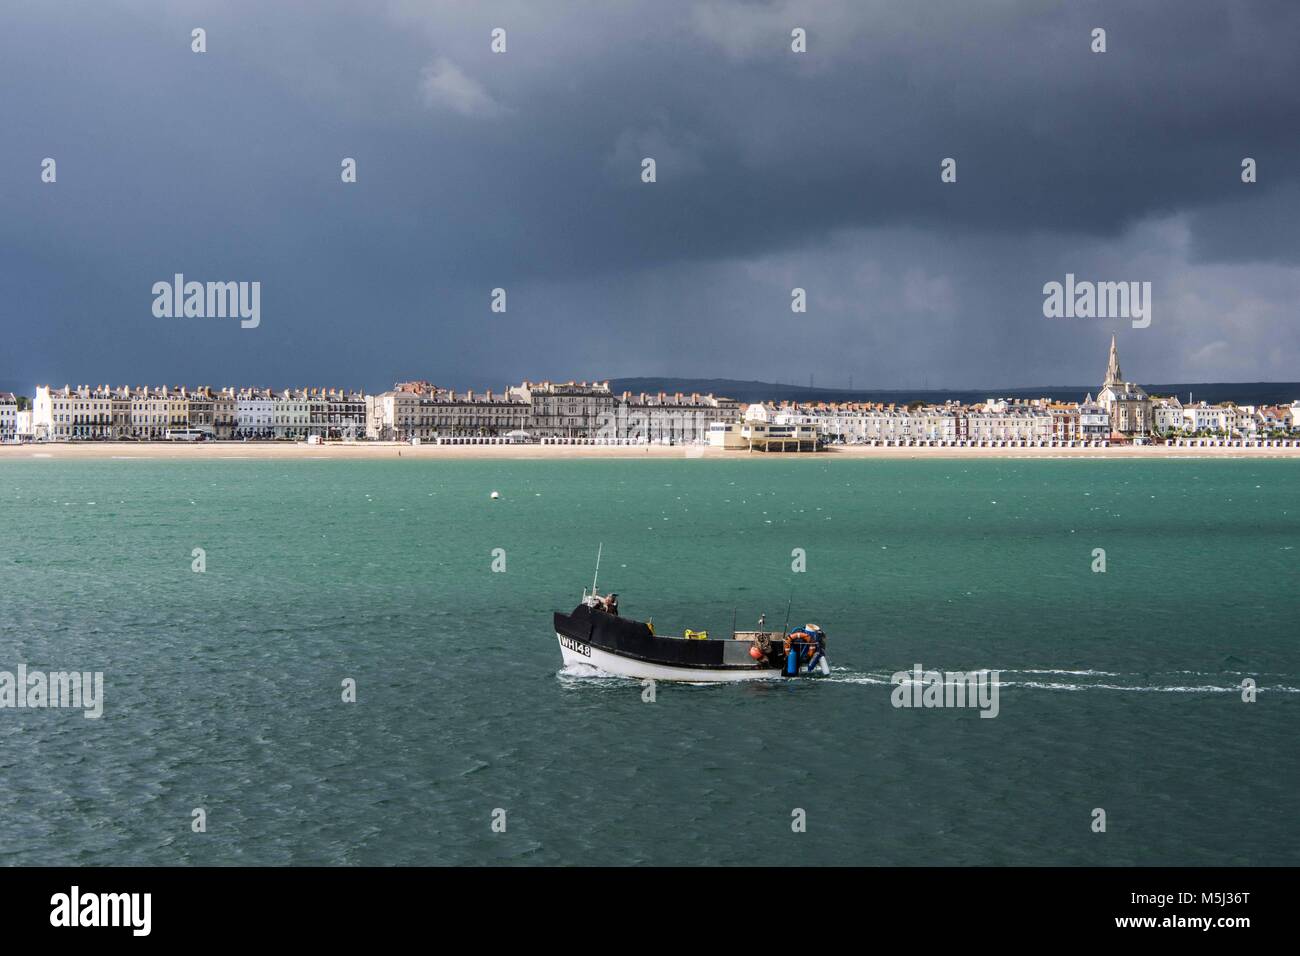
(495, 495)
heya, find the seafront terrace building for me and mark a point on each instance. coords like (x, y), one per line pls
(254, 414)
(866, 422)
(150, 413)
(1166, 415)
(1094, 421)
(1242, 421)
(489, 414)
(155, 411)
(292, 415)
(393, 416)
(1066, 423)
(200, 410)
(120, 405)
(566, 409)
(225, 414)
(24, 425)
(422, 410)
(996, 420)
(1202, 417)
(8, 416)
(1273, 419)
(1002, 420)
(69, 414)
(547, 411)
(333, 413)
(664, 418)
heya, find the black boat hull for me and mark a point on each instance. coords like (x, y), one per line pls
(629, 648)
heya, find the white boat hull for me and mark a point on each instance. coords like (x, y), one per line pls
(577, 653)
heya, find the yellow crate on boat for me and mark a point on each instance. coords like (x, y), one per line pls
(696, 635)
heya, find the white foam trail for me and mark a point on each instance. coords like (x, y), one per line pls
(849, 677)
(1149, 689)
(845, 679)
(572, 673)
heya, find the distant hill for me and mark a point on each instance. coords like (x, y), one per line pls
(1243, 393)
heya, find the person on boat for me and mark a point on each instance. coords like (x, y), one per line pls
(804, 645)
(608, 603)
(818, 649)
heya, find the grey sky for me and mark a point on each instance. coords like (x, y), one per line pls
(775, 170)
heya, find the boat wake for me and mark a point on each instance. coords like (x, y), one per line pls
(1156, 682)
(581, 673)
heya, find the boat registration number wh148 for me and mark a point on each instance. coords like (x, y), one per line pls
(573, 645)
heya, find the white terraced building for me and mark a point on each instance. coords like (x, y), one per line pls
(393, 416)
(1166, 415)
(155, 411)
(1094, 421)
(292, 415)
(865, 423)
(1205, 417)
(1001, 421)
(664, 418)
(1242, 422)
(997, 420)
(255, 413)
(424, 411)
(69, 414)
(8, 416)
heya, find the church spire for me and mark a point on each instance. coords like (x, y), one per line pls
(1113, 375)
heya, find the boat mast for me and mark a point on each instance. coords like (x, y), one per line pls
(599, 548)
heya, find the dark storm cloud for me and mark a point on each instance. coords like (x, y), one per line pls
(522, 170)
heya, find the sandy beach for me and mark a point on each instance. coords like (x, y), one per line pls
(219, 451)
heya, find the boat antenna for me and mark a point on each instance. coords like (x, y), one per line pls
(787, 613)
(599, 548)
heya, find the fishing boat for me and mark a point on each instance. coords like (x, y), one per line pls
(594, 637)
(594, 634)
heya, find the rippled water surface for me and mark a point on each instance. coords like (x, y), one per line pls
(1120, 690)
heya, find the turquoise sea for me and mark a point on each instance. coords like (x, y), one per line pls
(1121, 690)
